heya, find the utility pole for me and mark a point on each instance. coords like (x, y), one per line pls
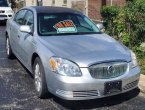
(86, 7)
(111, 2)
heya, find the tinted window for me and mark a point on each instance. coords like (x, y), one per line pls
(3, 3)
(19, 17)
(61, 24)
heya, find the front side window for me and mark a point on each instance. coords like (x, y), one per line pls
(64, 24)
(19, 17)
(29, 20)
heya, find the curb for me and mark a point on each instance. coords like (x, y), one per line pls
(142, 83)
(142, 90)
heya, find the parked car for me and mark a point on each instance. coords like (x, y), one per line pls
(68, 55)
(5, 11)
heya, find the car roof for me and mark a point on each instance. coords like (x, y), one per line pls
(52, 9)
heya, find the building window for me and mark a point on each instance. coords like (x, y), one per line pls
(53, 2)
(39, 2)
(103, 2)
(64, 2)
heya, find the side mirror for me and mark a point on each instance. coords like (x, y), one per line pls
(101, 27)
(25, 28)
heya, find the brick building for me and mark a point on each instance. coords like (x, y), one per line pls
(94, 7)
(63, 3)
(90, 8)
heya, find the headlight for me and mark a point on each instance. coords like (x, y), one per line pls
(9, 11)
(134, 60)
(64, 67)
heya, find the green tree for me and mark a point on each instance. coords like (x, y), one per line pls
(127, 23)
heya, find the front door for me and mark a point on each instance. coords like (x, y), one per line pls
(26, 39)
(15, 30)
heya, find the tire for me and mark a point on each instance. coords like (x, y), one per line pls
(39, 79)
(9, 51)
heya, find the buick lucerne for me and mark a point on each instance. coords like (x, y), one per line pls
(68, 55)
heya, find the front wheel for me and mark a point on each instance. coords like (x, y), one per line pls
(39, 78)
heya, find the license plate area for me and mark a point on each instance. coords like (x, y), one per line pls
(112, 87)
(2, 18)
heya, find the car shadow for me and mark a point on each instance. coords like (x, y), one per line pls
(29, 73)
(96, 103)
(2, 23)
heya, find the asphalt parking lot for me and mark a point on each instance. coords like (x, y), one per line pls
(17, 91)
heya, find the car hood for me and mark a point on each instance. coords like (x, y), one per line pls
(5, 8)
(86, 50)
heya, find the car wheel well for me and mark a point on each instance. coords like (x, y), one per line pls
(6, 34)
(34, 56)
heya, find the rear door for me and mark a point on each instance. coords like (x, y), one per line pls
(15, 30)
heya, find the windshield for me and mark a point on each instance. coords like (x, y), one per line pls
(65, 24)
(3, 3)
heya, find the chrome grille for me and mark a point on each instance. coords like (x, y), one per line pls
(108, 70)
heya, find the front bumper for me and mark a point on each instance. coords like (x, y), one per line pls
(86, 87)
(4, 17)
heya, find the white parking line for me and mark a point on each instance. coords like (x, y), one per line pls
(3, 58)
(2, 51)
(5, 70)
(55, 105)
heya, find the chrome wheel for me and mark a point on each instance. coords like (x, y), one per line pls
(8, 46)
(9, 51)
(38, 80)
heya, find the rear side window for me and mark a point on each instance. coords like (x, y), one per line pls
(19, 17)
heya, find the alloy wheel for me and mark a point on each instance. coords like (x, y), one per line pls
(38, 81)
(7, 46)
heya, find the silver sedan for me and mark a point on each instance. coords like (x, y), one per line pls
(68, 55)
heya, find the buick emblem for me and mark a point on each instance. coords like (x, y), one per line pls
(110, 69)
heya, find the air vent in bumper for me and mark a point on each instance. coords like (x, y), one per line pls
(130, 85)
(90, 93)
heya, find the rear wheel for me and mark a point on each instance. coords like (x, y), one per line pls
(9, 52)
(39, 79)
